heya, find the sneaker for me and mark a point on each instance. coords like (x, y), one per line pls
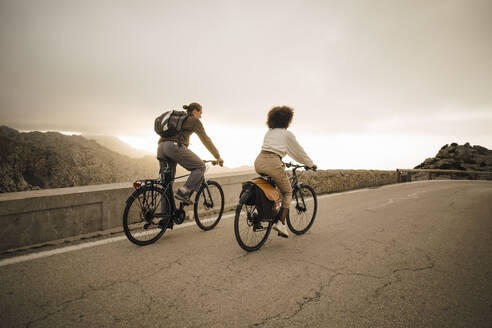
(282, 229)
(184, 197)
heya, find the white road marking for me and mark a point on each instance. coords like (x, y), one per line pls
(42, 254)
(415, 195)
(34, 256)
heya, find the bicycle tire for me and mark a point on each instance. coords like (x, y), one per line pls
(206, 210)
(139, 219)
(296, 220)
(247, 222)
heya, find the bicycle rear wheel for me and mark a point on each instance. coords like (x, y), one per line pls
(302, 210)
(142, 215)
(209, 205)
(251, 233)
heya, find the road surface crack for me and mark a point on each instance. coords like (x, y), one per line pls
(307, 300)
(320, 266)
(266, 320)
(61, 307)
(65, 304)
(312, 297)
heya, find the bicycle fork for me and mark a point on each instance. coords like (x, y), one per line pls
(210, 202)
(300, 206)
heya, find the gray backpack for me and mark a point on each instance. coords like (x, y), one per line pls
(170, 123)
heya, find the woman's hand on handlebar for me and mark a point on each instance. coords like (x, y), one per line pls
(290, 164)
(220, 161)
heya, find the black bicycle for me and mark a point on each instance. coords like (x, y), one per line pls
(252, 231)
(151, 208)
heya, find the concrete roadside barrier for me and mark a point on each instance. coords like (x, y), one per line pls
(40, 216)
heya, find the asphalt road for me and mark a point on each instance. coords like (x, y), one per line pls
(408, 255)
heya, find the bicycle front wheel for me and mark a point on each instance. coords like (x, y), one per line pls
(302, 210)
(251, 233)
(142, 215)
(209, 205)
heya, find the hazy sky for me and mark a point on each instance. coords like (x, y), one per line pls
(392, 80)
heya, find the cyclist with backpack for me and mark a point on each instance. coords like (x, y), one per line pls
(175, 129)
(277, 143)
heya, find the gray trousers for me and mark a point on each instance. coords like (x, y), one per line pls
(181, 155)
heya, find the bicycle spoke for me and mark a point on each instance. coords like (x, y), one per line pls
(209, 205)
(140, 202)
(302, 210)
(244, 227)
(139, 219)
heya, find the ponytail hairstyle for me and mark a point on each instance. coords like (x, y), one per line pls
(191, 107)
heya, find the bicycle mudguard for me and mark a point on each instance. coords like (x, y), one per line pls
(270, 191)
(134, 194)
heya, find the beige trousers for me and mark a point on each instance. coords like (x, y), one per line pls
(271, 165)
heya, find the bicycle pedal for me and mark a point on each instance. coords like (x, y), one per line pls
(184, 204)
(258, 228)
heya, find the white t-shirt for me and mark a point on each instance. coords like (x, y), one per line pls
(283, 142)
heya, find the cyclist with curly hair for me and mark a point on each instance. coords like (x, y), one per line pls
(277, 143)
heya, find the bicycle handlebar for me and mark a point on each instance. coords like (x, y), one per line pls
(295, 166)
(212, 161)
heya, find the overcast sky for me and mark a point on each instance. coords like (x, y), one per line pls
(359, 71)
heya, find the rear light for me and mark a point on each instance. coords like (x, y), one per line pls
(137, 184)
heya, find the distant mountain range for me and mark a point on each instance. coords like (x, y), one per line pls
(115, 144)
(42, 160)
(37, 160)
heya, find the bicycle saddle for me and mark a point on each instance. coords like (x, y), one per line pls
(268, 178)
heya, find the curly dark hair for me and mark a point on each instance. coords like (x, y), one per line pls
(280, 117)
(191, 107)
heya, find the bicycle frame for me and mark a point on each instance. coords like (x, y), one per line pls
(166, 183)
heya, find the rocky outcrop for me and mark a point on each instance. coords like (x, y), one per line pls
(37, 160)
(460, 157)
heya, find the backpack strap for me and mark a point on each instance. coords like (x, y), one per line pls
(180, 129)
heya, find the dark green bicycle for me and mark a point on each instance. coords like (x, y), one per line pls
(151, 208)
(252, 231)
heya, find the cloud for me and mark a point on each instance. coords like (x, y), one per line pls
(101, 67)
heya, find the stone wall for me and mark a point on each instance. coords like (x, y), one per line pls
(327, 181)
(37, 217)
